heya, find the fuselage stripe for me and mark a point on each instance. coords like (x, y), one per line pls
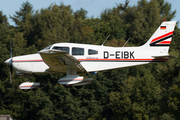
(165, 42)
(104, 60)
(160, 40)
(160, 37)
(40, 60)
(123, 60)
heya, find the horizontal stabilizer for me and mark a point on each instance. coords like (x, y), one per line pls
(162, 56)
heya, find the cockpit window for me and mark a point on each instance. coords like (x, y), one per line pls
(92, 52)
(77, 51)
(61, 48)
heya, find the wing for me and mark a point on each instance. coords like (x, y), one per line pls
(61, 61)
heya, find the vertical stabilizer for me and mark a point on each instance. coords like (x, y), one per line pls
(161, 39)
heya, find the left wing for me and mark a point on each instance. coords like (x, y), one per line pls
(61, 61)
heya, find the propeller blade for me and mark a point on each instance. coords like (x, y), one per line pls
(11, 50)
(11, 63)
(10, 73)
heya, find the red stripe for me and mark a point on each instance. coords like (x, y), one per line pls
(27, 60)
(165, 35)
(165, 42)
(29, 86)
(123, 59)
(69, 80)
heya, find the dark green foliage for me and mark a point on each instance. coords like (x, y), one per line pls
(143, 92)
(80, 14)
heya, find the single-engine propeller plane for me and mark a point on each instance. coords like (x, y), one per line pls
(75, 60)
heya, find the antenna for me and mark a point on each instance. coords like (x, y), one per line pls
(126, 42)
(105, 40)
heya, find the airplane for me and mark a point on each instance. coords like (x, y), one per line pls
(76, 60)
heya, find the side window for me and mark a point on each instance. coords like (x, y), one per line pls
(77, 51)
(61, 48)
(92, 52)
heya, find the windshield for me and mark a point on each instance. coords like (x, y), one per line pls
(47, 48)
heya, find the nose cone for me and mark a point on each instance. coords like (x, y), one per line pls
(8, 61)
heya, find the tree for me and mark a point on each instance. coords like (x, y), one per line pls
(53, 24)
(80, 14)
(142, 92)
(139, 98)
(21, 16)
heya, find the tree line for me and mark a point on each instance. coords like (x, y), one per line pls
(141, 93)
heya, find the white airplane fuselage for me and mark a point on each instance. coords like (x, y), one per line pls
(94, 58)
(75, 60)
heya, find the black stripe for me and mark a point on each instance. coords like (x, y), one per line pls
(160, 45)
(154, 43)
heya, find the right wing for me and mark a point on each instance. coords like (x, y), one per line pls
(59, 60)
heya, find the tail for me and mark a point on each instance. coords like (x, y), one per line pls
(161, 39)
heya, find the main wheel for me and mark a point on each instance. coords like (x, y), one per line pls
(67, 86)
(78, 87)
(25, 90)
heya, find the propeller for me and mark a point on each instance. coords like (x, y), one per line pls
(11, 63)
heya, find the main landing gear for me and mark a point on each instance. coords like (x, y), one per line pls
(25, 86)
